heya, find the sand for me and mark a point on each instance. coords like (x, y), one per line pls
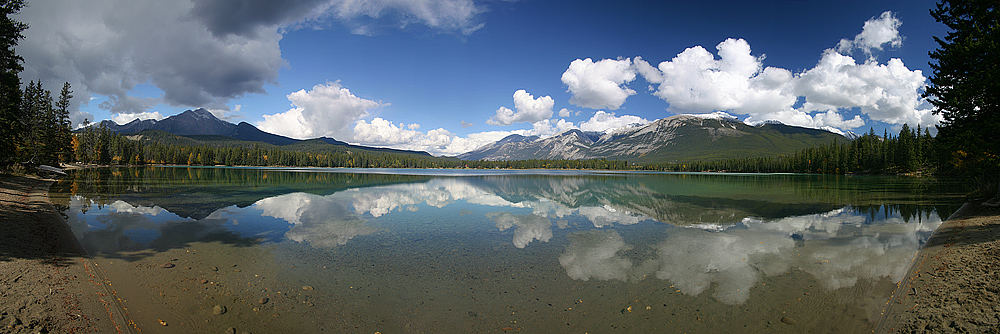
(954, 283)
(46, 284)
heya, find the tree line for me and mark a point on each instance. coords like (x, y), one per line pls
(34, 127)
(98, 145)
(911, 151)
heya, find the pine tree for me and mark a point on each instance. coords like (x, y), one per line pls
(64, 138)
(11, 122)
(964, 86)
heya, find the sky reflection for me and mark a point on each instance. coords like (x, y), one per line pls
(702, 242)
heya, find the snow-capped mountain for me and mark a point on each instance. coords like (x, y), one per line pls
(676, 138)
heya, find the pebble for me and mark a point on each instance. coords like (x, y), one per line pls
(218, 309)
(215, 268)
(263, 300)
(203, 281)
(168, 265)
(307, 287)
(787, 320)
(162, 323)
(231, 330)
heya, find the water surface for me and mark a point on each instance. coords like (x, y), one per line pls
(499, 251)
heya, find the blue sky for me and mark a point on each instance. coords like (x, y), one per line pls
(430, 74)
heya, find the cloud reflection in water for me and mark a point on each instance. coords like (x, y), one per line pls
(838, 248)
(321, 221)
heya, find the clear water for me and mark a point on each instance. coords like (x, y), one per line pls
(356, 250)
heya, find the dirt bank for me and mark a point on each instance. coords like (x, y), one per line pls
(954, 283)
(46, 282)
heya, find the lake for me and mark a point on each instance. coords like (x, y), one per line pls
(393, 251)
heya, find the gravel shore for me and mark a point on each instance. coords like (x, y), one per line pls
(954, 283)
(46, 285)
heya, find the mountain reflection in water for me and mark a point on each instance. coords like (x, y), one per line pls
(709, 232)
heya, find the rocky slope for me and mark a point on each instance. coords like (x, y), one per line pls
(677, 138)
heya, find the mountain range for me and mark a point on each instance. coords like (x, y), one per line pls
(682, 138)
(200, 126)
(679, 138)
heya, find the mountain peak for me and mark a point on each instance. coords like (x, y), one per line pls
(200, 113)
(514, 138)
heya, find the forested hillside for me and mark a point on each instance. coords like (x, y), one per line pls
(909, 151)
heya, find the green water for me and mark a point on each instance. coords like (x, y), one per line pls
(502, 251)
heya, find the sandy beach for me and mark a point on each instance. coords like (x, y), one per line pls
(954, 283)
(46, 282)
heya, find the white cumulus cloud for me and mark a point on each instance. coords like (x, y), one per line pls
(123, 118)
(381, 132)
(885, 92)
(875, 33)
(327, 110)
(384, 133)
(547, 128)
(603, 121)
(696, 82)
(526, 109)
(599, 84)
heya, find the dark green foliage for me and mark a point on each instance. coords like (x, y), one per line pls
(64, 136)
(965, 88)
(868, 154)
(32, 128)
(46, 138)
(101, 146)
(11, 127)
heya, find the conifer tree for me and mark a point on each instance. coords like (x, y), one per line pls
(964, 87)
(64, 138)
(11, 126)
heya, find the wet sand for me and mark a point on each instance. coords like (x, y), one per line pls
(46, 285)
(954, 283)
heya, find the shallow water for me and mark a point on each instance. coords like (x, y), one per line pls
(500, 251)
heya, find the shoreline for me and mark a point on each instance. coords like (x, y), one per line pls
(76, 166)
(953, 283)
(47, 284)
